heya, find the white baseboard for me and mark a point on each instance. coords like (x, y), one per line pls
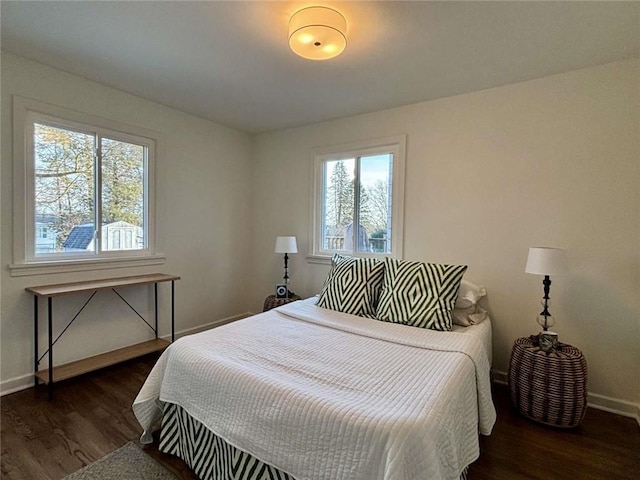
(614, 405)
(26, 381)
(499, 377)
(16, 384)
(594, 400)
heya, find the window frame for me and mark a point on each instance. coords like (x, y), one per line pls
(395, 145)
(28, 112)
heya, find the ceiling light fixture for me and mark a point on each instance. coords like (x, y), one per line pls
(317, 33)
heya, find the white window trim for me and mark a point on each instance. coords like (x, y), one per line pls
(397, 144)
(24, 111)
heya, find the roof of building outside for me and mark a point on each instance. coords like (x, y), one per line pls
(80, 236)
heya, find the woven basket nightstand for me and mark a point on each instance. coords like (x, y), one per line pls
(272, 302)
(549, 388)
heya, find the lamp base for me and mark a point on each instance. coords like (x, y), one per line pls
(548, 341)
(282, 291)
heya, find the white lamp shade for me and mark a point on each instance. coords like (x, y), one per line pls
(286, 245)
(547, 261)
(317, 33)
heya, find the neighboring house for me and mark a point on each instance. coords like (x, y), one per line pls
(115, 236)
(46, 235)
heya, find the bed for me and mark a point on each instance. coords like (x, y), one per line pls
(368, 381)
(304, 392)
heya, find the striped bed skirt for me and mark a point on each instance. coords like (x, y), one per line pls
(209, 456)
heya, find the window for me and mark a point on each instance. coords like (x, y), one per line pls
(86, 187)
(359, 185)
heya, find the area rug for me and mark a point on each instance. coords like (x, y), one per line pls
(126, 463)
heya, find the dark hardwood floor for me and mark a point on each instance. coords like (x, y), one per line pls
(91, 416)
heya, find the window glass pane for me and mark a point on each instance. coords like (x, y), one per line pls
(122, 194)
(338, 204)
(64, 188)
(374, 212)
(359, 205)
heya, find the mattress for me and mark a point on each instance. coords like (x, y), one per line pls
(321, 394)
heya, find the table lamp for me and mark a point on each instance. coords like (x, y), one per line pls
(546, 261)
(286, 245)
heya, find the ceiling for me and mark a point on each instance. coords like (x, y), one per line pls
(230, 61)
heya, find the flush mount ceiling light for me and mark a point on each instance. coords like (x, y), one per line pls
(317, 33)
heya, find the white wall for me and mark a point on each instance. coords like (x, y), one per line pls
(202, 216)
(554, 161)
(549, 162)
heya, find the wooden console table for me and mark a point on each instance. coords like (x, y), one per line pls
(61, 372)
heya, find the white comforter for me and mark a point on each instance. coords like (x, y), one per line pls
(325, 395)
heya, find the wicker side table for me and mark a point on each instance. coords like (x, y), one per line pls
(549, 388)
(272, 302)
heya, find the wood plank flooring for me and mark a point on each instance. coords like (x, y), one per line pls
(91, 416)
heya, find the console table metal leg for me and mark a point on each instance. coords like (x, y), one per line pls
(50, 347)
(35, 338)
(173, 311)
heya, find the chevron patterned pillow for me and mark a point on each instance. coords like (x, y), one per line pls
(352, 286)
(419, 294)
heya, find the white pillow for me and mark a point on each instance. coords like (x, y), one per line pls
(466, 317)
(468, 294)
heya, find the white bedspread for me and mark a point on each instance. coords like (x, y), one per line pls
(325, 395)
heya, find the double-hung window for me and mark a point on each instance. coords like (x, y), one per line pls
(84, 186)
(359, 199)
